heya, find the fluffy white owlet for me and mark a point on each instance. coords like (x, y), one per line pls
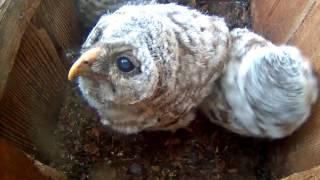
(146, 67)
(265, 90)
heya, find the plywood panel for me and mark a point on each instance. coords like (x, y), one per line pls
(61, 22)
(36, 79)
(14, 165)
(260, 9)
(307, 36)
(284, 18)
(27, 109)
(14, 19)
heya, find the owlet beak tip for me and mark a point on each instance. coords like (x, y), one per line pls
(82, 66)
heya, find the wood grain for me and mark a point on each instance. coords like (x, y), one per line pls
(34, 83)
(61, 23)
(30, 103)
(260, 9)
(278, 20)
(307, 36)
(14, 19)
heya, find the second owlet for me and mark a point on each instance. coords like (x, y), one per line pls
(147, 67)
(265, 91)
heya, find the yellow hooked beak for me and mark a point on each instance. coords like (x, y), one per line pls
(83, 65)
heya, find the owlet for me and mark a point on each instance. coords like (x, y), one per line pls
(147, 67)
(265, 91)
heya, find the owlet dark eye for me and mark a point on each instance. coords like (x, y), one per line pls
(124, 64)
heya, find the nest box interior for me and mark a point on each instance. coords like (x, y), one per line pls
(35, 41)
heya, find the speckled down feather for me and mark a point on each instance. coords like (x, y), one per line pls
(265, 90)
(91, 10)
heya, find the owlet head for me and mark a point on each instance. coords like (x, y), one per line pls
(120, 61)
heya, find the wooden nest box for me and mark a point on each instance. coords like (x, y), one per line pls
(35, 36)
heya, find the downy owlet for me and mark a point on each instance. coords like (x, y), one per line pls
(147, 67)
(265, 90)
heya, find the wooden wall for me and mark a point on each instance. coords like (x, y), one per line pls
(16, 165)
(33, 67)
(296, 22)
(14, 19)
